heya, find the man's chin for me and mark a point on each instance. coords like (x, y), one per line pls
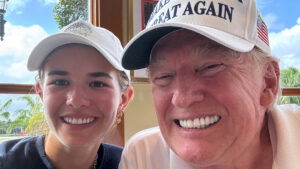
(196, 156)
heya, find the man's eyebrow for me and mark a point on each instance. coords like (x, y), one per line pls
(58, 72)
(100, 74)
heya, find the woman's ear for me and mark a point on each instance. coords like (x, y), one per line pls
(125, 99)
(271, 80)
(38, 89)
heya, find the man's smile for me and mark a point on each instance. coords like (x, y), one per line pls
(198, 123)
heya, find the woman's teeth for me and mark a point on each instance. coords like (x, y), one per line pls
(72, 120)
(199, 123)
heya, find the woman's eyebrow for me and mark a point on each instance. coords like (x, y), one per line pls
(100, 74)
(58, 72)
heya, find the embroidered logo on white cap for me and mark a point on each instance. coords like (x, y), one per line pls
(80, 28)
(235, 24)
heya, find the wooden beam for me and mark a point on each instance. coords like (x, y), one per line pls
(109, 14)
(6, 88)
(9, 88)
(94, 12)
(116, 136)
(291, 92)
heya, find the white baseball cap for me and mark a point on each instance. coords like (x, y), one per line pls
(235, 24)
(83, 33)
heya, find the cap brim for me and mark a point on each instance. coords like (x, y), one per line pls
(46, 46)
(137, 51)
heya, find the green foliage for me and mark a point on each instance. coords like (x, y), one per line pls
(7, 135)
(67, 11)
(3, 110)
(290, 78)
(31, 118)
(23, 115)
(4, 126)
(37, 125)
(5, 115)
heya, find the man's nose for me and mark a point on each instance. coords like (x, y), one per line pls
(77, 97)
(187, 93)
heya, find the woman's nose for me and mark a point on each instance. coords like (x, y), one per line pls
(77, 97)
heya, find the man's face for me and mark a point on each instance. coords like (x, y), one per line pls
(207, 103)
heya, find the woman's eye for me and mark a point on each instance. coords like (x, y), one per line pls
(60, 82)
(97, 84)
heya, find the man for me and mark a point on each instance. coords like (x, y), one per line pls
(215, 86)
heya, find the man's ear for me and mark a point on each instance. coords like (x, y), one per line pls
(271, 80)
(125, 99)
(38, 89)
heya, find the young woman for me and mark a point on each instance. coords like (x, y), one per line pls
(84, 90)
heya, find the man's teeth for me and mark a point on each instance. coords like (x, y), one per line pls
(72, 120)
(199, 123)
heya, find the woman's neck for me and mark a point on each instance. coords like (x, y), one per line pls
(63, 157)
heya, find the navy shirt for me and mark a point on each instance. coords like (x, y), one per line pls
(28, 153)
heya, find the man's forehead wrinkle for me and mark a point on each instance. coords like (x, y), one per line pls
(162, 54)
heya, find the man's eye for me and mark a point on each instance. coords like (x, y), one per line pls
(60, 82)
(211, 69)
(163, 80)
(214, 66)
(97, 84)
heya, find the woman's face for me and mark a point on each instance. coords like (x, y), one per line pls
(81, 95)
